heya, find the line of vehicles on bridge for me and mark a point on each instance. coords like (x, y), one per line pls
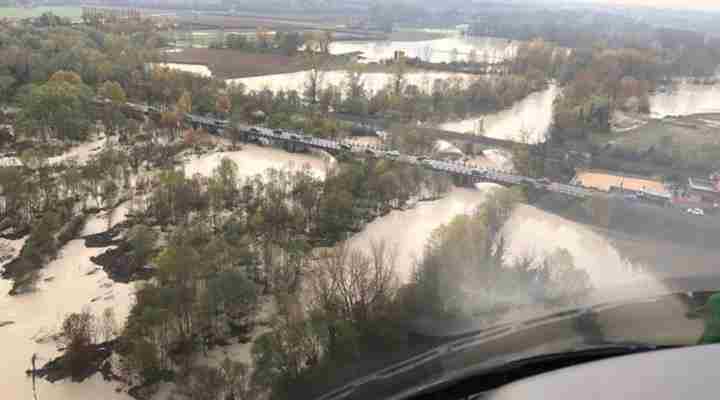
(482, 174)
(215, 126)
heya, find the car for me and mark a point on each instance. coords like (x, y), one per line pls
(392, 154)
(544, 181)
(254, 130)
(277, 132)
(295, 136)
(345, 146)
(477, 172)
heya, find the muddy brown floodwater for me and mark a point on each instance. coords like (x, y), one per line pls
(68, 284)
(527, 120)
(72, 282)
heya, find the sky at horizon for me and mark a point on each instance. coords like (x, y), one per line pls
(679, 4)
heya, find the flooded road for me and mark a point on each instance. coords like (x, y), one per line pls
(530, 117)
(456, 48)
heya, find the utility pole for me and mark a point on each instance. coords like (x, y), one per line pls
(32, 360)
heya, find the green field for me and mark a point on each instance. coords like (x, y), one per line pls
(22, 12)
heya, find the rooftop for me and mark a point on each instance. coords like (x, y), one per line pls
(702, 184)
(605, 181)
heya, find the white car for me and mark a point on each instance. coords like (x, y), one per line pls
(695, 211)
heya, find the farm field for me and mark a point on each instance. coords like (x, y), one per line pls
(226, 64)
(22, 12)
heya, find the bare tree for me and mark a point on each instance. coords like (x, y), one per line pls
(354, 285)
(108, 324)
(314, 78)
(398, 77)
(79, 331)
(202, 383)
(236, 376)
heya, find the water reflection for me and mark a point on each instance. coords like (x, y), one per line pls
(374, 81)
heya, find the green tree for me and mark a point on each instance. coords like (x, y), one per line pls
(113, 91)
(711, 334)
(232, 294)
(282, 354)
(142, 241)
(57, 109)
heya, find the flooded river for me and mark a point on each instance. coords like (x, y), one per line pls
(68, 284)
(449, 49)
(528, 232)
(72, 282)
(374, 81)
(530, 117)
(685, 98)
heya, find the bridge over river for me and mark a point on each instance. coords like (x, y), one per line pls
(297, 142)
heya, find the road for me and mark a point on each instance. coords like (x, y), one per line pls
(454, 168)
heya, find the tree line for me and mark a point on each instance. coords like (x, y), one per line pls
(230, 244)
(232, 240)
(286, 43)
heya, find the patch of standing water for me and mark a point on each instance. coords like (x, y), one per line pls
(253, 160)
(241, 352)
(67, 285)
(104, 220)
(530, 117)
(80, 153)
